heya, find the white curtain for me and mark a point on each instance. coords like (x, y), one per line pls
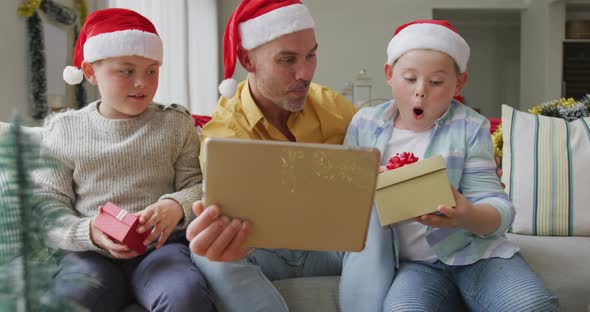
(188, 29)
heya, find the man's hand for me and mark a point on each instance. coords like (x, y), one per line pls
(101, 240)
(161, 218)
(215, 236)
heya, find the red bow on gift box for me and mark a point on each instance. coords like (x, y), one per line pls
(400, 160)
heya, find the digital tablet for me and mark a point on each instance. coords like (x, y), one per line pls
(297, 195)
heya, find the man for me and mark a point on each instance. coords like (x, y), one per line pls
(274, 41)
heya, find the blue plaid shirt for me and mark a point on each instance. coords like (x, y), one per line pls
(462, 137)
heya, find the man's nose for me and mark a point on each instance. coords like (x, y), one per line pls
(305, 71)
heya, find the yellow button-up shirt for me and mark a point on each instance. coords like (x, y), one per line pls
(324, 118)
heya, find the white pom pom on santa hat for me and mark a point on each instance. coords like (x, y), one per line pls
(72, 75)
(227, 88)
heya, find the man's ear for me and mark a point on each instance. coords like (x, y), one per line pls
(88, 70)
(245, 58)
(461, 81)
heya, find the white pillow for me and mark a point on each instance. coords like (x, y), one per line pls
(546, 164)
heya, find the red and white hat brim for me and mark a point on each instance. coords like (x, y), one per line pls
(429, 36)
(274, 24)
(124, 43)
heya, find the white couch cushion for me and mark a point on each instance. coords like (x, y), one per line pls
(547, 173)
(563, 263)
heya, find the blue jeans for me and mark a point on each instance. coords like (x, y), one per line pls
(162, 280)
(246, 285)
(493, 284)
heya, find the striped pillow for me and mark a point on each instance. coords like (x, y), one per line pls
(546, 164)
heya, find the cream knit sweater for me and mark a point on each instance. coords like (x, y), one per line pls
(131, 162)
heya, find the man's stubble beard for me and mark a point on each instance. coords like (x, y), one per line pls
(283, 101)
(292, 106)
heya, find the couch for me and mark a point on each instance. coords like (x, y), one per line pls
(563, 263)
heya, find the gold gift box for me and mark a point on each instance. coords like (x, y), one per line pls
(413, 190)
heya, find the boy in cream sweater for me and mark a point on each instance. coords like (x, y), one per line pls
(125, 149)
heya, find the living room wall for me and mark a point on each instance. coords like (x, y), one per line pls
(14, 51)
(13, 76)
(350, 38)
(516, 62)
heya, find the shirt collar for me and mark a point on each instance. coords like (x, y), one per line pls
(251, 110)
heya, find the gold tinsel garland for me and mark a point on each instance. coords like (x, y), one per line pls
(497, 138)
(563, 102)
(82, 7)
(27, 9)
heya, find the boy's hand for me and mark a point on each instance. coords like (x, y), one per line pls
(161, 218)
(101, 240)
(449, 216)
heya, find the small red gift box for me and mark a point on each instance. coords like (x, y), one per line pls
(121, 226)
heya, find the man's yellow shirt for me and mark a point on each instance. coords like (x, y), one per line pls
(324, 118)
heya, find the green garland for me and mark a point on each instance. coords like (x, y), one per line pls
(568, 109)
(62, 15)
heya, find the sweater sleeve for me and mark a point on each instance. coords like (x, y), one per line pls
(188, 175)
(66, 228)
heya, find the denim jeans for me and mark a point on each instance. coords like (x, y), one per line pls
(493, 284)
(162, 280)
(246, 285)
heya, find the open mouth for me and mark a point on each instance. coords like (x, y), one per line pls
(418, 112)
(137, 96)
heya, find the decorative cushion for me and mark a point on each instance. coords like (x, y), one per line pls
(547, 173)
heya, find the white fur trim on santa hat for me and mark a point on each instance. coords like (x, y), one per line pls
(429, 36)
(227, 88)
(276, 23)
(123, 43)
(72, 75)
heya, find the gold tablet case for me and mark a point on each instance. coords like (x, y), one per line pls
(297, 195)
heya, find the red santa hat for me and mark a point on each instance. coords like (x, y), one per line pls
(254, 23)
(429, 34)
(111, 33)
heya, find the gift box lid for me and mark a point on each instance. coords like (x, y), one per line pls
(119, 214)
(411, 171)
